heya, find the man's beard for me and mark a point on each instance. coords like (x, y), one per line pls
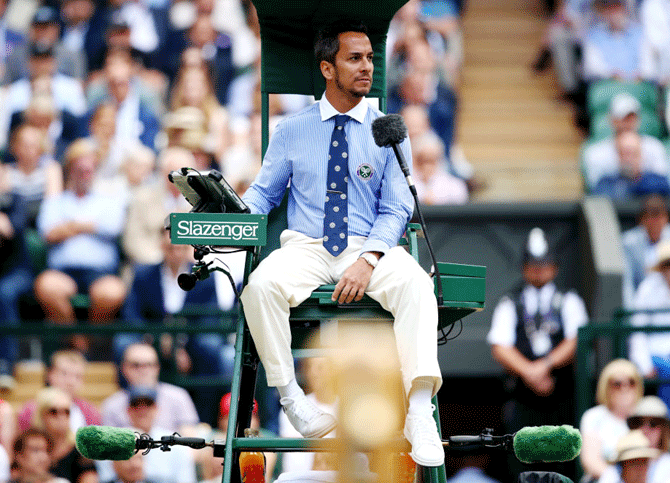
(350, 91)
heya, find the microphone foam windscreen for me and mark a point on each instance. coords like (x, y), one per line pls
(547, 443)
(389, 130)
(105, 443)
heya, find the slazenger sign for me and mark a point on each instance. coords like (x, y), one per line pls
(223, 229)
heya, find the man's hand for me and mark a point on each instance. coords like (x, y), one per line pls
(537, 377)
(353, 283)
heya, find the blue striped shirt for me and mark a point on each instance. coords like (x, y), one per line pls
(380, 203)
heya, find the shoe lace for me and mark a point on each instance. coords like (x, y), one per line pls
(304, 411)
(425, 431)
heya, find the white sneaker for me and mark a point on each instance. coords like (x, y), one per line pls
(306, 418)
(421, 432)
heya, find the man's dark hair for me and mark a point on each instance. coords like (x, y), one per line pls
(327, 42)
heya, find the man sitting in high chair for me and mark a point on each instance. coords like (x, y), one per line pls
(348, 207)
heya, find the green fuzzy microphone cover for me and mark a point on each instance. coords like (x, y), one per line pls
(547, 443)
(105, 443)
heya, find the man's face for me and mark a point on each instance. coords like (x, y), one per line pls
(67, 376)
(353, 69)
(34, 459)
(130, 471)
(82, 172)
(653, 222)
(140, 366)
(28, 148)
(539, 274)
(46, 33)
(142, 414)
(76, 11)
(628, 123)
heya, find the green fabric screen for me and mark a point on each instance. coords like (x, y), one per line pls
(287, 36)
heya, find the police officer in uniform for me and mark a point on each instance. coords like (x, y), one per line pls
(534, 337)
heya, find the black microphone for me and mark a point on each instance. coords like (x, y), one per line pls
(110, 443)
(186, 281)
(389, 131)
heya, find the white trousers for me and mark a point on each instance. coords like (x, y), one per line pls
(291, 273)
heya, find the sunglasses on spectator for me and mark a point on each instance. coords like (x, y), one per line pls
(57, 411)
(638, 422)
(142, 364)
(621, 383)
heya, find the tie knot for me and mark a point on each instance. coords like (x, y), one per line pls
(341, 119)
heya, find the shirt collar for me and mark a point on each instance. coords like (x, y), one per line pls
(358, 112)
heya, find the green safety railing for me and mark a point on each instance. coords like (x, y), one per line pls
(52, 334)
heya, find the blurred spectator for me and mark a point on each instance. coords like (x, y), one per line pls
(16, 279)
(150, 205)
(635, 175)
(155, 297)
(655, 18)
(67, 92)
(32, 458)
(562, 41)
(52, 415)
(34, 176)
(421, 84)
(176, 466)
(619, 389)
(616, 47)
(437, 22)
(472, 468)
(533, 337)
(135, 119)
(434, 185)
(193, 88)
(650, 350)
(129, 471)
(12, 40)
(80, 34)
(216, 51)
(4, 464)
(8, 429)
(45, 30)
(140, 367)
(58, 128)
(321, 392)
(640, 243)
(633, 460)
(81, 228)
(242, 161)
(149, 84)
(600, 157)
(651, 417)
(144, 22)
(136, 168)
(66, 371)
(418, 125)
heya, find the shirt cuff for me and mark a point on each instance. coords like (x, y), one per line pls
(375, 246)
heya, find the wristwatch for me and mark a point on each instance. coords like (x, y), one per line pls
(370, 258)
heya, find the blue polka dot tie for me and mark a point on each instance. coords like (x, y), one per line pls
(335, 224)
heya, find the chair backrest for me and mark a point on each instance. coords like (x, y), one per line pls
(650, 123)
(600, 94)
